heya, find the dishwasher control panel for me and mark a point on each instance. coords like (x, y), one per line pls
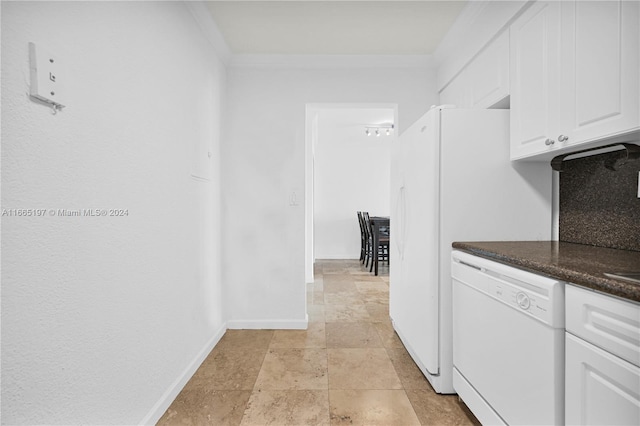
(540, 297)
(535, 302)
(523, 300)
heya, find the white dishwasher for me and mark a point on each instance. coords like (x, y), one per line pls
(508, 342)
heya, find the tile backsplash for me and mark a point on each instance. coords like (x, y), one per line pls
(598, 206)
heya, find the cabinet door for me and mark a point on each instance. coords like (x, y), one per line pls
(484, 83)
(488, 73)
(456, 92)
(600, 92)
(534, 79)
(600, 389)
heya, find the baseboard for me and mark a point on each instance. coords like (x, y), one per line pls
(167, 398)
(268, 324)
(337, 257)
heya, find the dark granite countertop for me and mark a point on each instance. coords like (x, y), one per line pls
(579, 264)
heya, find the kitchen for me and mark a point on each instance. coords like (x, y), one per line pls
(553, 55)
(257, 105)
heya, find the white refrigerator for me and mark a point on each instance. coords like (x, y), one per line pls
(452, 180)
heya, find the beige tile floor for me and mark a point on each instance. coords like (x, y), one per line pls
(348, 367)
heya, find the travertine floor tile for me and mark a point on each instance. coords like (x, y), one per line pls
(339, 287)
(245, 339)
(336, 272)
(371, 407)
(373, 287)
(373, 292)
(317, 283)
(434, 409)
(363, 273)
(315, 298)
(333, 271)
(366, 278)
(294, 407)
(343, 298)
(206, 407)
(352, 335)
(293, 369)
(378, 312)
(409, 373)
(346, 313)
(349, 356)
(316, 313)
(228, 370)
(361, 368)
(388, 335)
(313, 337)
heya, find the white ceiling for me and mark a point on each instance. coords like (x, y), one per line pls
(336, 27)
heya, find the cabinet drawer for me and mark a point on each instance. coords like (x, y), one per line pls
(607, 322)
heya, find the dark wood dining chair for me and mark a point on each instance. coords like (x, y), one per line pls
(363, 238)
(382, 250)
(368, 239)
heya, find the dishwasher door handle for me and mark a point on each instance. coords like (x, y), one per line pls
(469, 265)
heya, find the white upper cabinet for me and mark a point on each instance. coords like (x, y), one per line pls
(574, 77)
(456, 92)
(488, 73)
(600, 72)
(484, 82)
(535, 56)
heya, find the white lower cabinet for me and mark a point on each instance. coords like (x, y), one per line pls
(600, 388)
(602, 375)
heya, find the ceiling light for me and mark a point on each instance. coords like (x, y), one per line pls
(386, 127)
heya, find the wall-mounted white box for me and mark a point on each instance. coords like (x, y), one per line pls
(47, 79)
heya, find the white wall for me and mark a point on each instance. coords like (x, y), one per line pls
(264, 160)
(351, 173)
(104, 318)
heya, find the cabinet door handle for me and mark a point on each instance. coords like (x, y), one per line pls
(549, 142)
(563, 138)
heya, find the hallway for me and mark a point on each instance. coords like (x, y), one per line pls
(348, 367)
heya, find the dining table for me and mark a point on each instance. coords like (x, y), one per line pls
(377, 222)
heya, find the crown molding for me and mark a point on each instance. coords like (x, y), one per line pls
(331, 61)
(459, 29)
(209, 29)
(479, 23)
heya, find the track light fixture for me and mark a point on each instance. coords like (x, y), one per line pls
(377, 128)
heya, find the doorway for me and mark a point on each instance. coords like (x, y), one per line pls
(346, 170)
